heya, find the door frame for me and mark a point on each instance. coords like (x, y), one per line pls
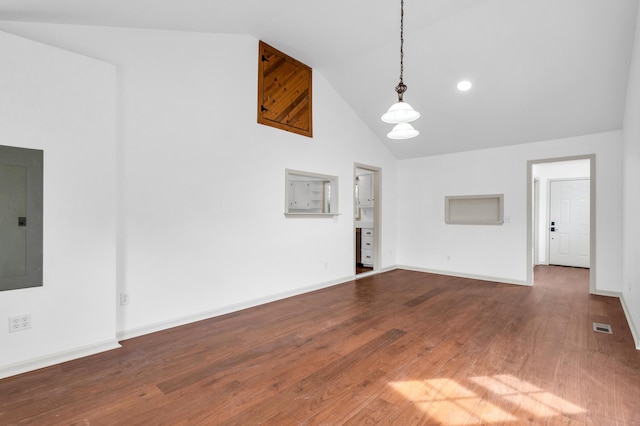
(536, 222)
(377, 198)
(592, 214)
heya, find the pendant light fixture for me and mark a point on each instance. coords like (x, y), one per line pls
(401, 113)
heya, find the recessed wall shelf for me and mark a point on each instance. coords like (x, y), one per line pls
(309, 194)
(474, 209)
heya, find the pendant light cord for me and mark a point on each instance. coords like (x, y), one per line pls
(401, 87)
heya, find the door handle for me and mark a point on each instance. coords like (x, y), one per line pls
(22, 221)
(552, 229)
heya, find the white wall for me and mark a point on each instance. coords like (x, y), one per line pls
(500, 252)
(631, 151)
(201, 192)
(64, 104)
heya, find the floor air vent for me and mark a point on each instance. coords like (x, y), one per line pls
(602, 328)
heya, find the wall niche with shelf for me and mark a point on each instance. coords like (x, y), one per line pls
(309, 193)
(474, 209)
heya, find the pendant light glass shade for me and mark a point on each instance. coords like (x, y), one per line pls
(403, 131)
(400, 112)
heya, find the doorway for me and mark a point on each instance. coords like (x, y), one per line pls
(540, 174)
(366, 205)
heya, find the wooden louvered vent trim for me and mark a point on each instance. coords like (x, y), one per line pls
(284, 92)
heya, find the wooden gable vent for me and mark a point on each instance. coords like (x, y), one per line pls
(284, 92)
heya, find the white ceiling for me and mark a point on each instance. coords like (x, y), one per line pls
(541, 69)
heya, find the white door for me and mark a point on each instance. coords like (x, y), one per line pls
(569, 222)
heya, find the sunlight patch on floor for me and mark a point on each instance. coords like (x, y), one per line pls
(498, 397)
(526, 396)
(451, 403)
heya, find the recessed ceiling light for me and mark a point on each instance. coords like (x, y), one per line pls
(464, 85)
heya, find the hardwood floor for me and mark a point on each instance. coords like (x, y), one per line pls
(397, 348)
(362, 269)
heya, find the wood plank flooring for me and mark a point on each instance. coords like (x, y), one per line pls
(399, 348)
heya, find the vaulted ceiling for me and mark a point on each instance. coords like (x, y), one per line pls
(541, 69)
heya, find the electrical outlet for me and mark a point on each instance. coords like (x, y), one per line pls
(124, 298)
(19, 323)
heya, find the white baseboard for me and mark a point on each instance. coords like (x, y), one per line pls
(634, 330)
(463, 275)
(187, 319)
(57, 358)
(607, 293)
